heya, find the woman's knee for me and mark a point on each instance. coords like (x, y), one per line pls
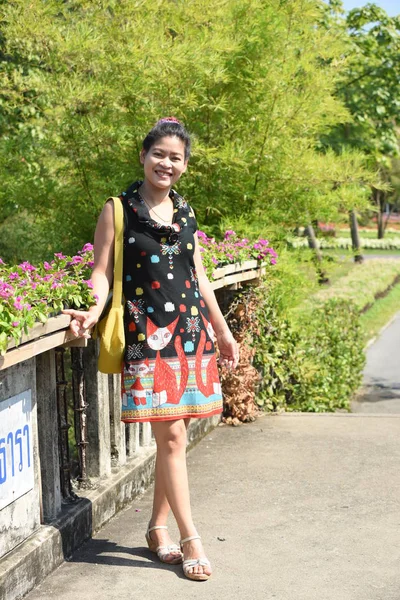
(170, 435)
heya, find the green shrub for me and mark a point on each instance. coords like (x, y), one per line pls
(314, 367)
(278, 356)
(331, 345)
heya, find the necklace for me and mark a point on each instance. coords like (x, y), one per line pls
(152, 208)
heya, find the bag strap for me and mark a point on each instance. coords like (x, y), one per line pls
(118, 252)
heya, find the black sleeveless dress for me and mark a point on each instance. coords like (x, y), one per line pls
(170, 369)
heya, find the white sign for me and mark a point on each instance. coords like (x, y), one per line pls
(16, 453)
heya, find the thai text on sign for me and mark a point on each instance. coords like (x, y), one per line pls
(16, 453)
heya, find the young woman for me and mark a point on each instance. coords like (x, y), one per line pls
(169, 372)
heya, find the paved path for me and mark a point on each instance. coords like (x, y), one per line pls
(291, 507)
(381, 383)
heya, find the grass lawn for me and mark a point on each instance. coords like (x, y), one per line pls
(380, 313)
(342, 252)
(339, 262)
(370, 234)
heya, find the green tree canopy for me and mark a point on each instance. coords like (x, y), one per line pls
(254, 82)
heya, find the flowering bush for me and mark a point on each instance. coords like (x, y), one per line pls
(326, 230)
(345, 243)
(231, 250)
(29, 294)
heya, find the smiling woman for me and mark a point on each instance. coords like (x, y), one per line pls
(164, 156)
(169, 372)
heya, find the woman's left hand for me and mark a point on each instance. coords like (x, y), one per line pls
(228, 349)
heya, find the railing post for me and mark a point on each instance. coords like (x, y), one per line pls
(117, 428)
(98, 414)
(132, 438)
(63, 427)
(145, 434)
(46, 390)
(80, 411)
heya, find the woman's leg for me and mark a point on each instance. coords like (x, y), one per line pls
(161, 505)
(171, 464)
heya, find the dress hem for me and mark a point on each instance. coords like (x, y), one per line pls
(174, 417)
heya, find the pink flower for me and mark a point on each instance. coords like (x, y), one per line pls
(13, 276)
(95, 296)
(90, 264)
(56, 285)
(60, 256)
(47, 266)
(6, 290)
(17, 304)
(27, 267)
(203, 236)
(15, 323)
(229, 234)
(2, 262)
(88, 283)
(76, 260)
(87, 248)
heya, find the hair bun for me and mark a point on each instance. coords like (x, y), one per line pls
(169, 120)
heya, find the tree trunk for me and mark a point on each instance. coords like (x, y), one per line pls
(355, 237)
(380, 202)
(313, 245)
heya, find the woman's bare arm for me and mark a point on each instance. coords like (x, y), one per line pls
(227, 345)
(102, 274)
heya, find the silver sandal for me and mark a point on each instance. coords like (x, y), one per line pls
(190, 563)
(163, 551)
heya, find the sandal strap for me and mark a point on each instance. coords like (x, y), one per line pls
(194, 562)
(163, 550)
(189, 539)
(157, 527)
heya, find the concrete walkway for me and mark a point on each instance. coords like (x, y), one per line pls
(381, 382)
(291, 507)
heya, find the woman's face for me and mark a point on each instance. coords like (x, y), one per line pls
(165, 162)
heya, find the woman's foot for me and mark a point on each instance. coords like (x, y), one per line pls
(159, 541)
(195, 564)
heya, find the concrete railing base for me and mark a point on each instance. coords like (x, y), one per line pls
(27, 565)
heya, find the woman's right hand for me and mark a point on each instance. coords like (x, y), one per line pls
(81, 321)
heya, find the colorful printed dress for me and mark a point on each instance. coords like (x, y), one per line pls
(170, 369)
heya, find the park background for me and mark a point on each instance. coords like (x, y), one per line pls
(294, 110)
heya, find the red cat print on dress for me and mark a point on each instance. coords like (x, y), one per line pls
(165, 388)
(212, 384)
(159, 337)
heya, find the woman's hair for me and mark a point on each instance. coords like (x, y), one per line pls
(168, 126)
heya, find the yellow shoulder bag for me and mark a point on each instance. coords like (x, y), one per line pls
(110, 328)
